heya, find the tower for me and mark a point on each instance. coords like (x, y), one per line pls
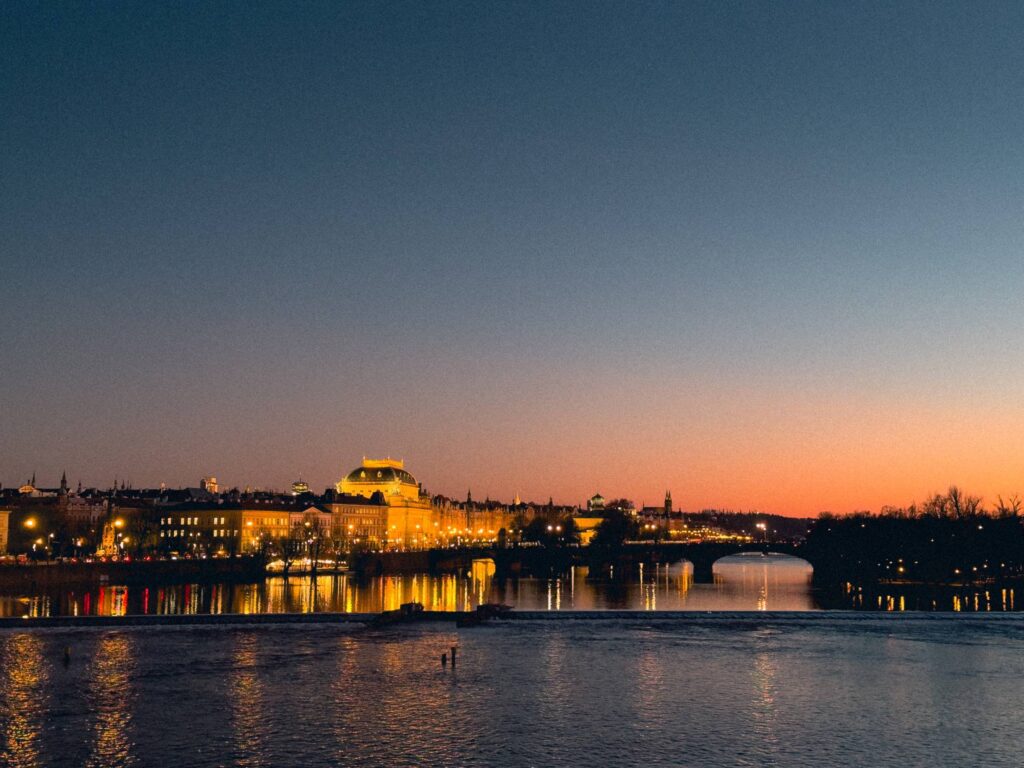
(668, 504)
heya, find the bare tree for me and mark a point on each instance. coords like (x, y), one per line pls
(1009, 508)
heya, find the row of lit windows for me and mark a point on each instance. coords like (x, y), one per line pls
(269, 521)
(191, 521)
(181, 533)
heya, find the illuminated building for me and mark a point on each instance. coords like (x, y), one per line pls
(389, 477)
(254, 525)
(209, 484)
(300, 487)
(409, 521)
(29, 488)
(461, 522)
(358, 521)
(5, 518)
(586, 526)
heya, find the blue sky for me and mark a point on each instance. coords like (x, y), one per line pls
(547, 249)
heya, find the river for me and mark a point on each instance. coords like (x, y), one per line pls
(750, 582)
(770, 689)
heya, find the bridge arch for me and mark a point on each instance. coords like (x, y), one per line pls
(756, 558)
(703, 555)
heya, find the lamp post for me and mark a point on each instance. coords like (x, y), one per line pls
(763, 527)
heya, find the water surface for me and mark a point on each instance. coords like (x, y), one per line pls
(698, 690)
(742, 582)
(747, 582)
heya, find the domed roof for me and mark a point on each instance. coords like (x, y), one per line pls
(376, 475)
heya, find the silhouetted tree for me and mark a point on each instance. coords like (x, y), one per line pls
(616, 528)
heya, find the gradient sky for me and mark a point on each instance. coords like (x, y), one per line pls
(767, 255)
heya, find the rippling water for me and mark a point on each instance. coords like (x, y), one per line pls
(727, 690)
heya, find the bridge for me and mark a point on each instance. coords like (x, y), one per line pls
(540, 561)
(703, 555)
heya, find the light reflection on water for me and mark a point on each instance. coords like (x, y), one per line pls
(23, 699)
(110, 696)
(755, 690)
(247, 703)
(746, 582)
(742, 582)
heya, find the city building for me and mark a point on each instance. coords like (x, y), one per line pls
(409, 521)
(359, 521)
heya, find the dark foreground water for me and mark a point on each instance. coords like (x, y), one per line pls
(725, 690)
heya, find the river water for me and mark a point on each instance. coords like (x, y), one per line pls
(748, 673)
(751, 582)
(811, 689)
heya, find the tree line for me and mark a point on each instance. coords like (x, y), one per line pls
(950, 538)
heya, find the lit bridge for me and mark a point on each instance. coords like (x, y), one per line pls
(513, 561)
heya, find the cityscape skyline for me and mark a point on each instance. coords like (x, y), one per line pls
(769, 259)
(225, 484)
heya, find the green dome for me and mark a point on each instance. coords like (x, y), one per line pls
(380, 475)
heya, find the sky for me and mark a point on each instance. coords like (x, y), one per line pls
(765, 255)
